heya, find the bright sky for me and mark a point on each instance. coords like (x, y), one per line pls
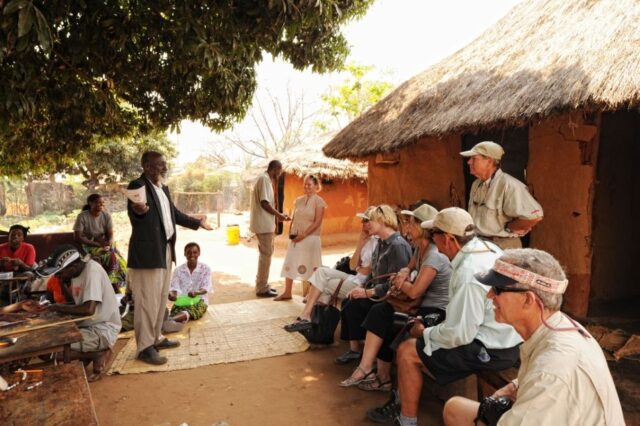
(402, 37)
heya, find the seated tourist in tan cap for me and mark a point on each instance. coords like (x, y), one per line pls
(469, 339)
(501, 206)
(563, 377)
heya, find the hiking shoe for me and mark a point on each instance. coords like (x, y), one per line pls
(151, 356)
(348, 357)
(386, 413)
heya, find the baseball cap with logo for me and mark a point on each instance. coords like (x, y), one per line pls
(423, 213)
(366, 213)
(452, 220)
(486, 148)
(61, 257)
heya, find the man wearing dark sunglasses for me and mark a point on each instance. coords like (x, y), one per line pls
(501, 206)
(469, 339)
(563, 377)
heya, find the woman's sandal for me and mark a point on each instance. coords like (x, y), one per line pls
(376, 385)
(352, 381)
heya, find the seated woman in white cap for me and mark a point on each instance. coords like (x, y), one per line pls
(93, 294)
(324, 281)
(563, 377)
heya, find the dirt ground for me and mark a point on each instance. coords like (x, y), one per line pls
(300, 389)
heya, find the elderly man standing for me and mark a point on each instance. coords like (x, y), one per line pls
(152, 253)
(502, 208)
(264, 214)
(469, 339)
(563, 378)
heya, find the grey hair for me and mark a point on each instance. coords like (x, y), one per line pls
(541, 263)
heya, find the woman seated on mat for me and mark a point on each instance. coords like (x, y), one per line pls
(324, 281)
(94, 231)
(426, 295)
(15, 254)
(192, 279)
(391, 254)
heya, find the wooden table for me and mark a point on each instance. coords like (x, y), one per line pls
(63, 398)
(38, 321)
(14, 286)
(42, 341)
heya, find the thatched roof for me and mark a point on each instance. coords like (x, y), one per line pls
(309, 159)
(544, 57)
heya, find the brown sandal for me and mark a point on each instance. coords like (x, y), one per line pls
(376, 385)
(352, 381)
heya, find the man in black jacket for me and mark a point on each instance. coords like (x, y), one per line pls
(151, 254)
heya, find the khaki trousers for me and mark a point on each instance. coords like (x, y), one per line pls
(265, 247)
(150, 288)
(507, 243)
(327, 279)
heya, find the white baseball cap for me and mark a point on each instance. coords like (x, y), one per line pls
(486, 148)
(452, 220)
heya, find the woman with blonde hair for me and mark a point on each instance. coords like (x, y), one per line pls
(391, 254)
(304, 253)
(424, 282)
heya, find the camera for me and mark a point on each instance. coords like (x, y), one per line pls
(491, 409)
(403, 323)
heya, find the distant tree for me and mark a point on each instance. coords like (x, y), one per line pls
(77, 72)
(350, 99)
(280, 123)
(115, 160)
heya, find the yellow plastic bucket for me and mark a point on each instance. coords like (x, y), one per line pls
(233, 234)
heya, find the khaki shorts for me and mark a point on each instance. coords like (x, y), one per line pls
(92, 341)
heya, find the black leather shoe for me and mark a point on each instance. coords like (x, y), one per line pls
(167, 344)
(151, 356)
(269, 293)
(386, 413)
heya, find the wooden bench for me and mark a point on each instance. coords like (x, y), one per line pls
(62, 398)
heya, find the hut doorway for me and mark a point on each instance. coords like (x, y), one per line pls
(615, 235)
(515, 141)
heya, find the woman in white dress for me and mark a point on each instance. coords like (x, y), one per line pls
(304, 252)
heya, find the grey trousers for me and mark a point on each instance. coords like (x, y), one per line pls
(150, 288)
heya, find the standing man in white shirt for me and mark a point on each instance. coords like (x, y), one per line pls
(564, 378)
(501, 206)
(469, 339)
(264, 214)
(151, 255)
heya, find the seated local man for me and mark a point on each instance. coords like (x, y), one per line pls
(91, 289)
(563, 377)
(469, 339)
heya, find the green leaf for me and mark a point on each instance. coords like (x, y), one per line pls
(25, 21)
(13, 6)
(44, 32)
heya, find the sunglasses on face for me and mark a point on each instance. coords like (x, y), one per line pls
(499, 290)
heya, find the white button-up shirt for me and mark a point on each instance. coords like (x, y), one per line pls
(165, 210)
(470, 313)
(563, 380)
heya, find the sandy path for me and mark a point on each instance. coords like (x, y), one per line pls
(298, 389)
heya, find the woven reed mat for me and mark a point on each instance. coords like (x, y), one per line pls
(228, 332)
